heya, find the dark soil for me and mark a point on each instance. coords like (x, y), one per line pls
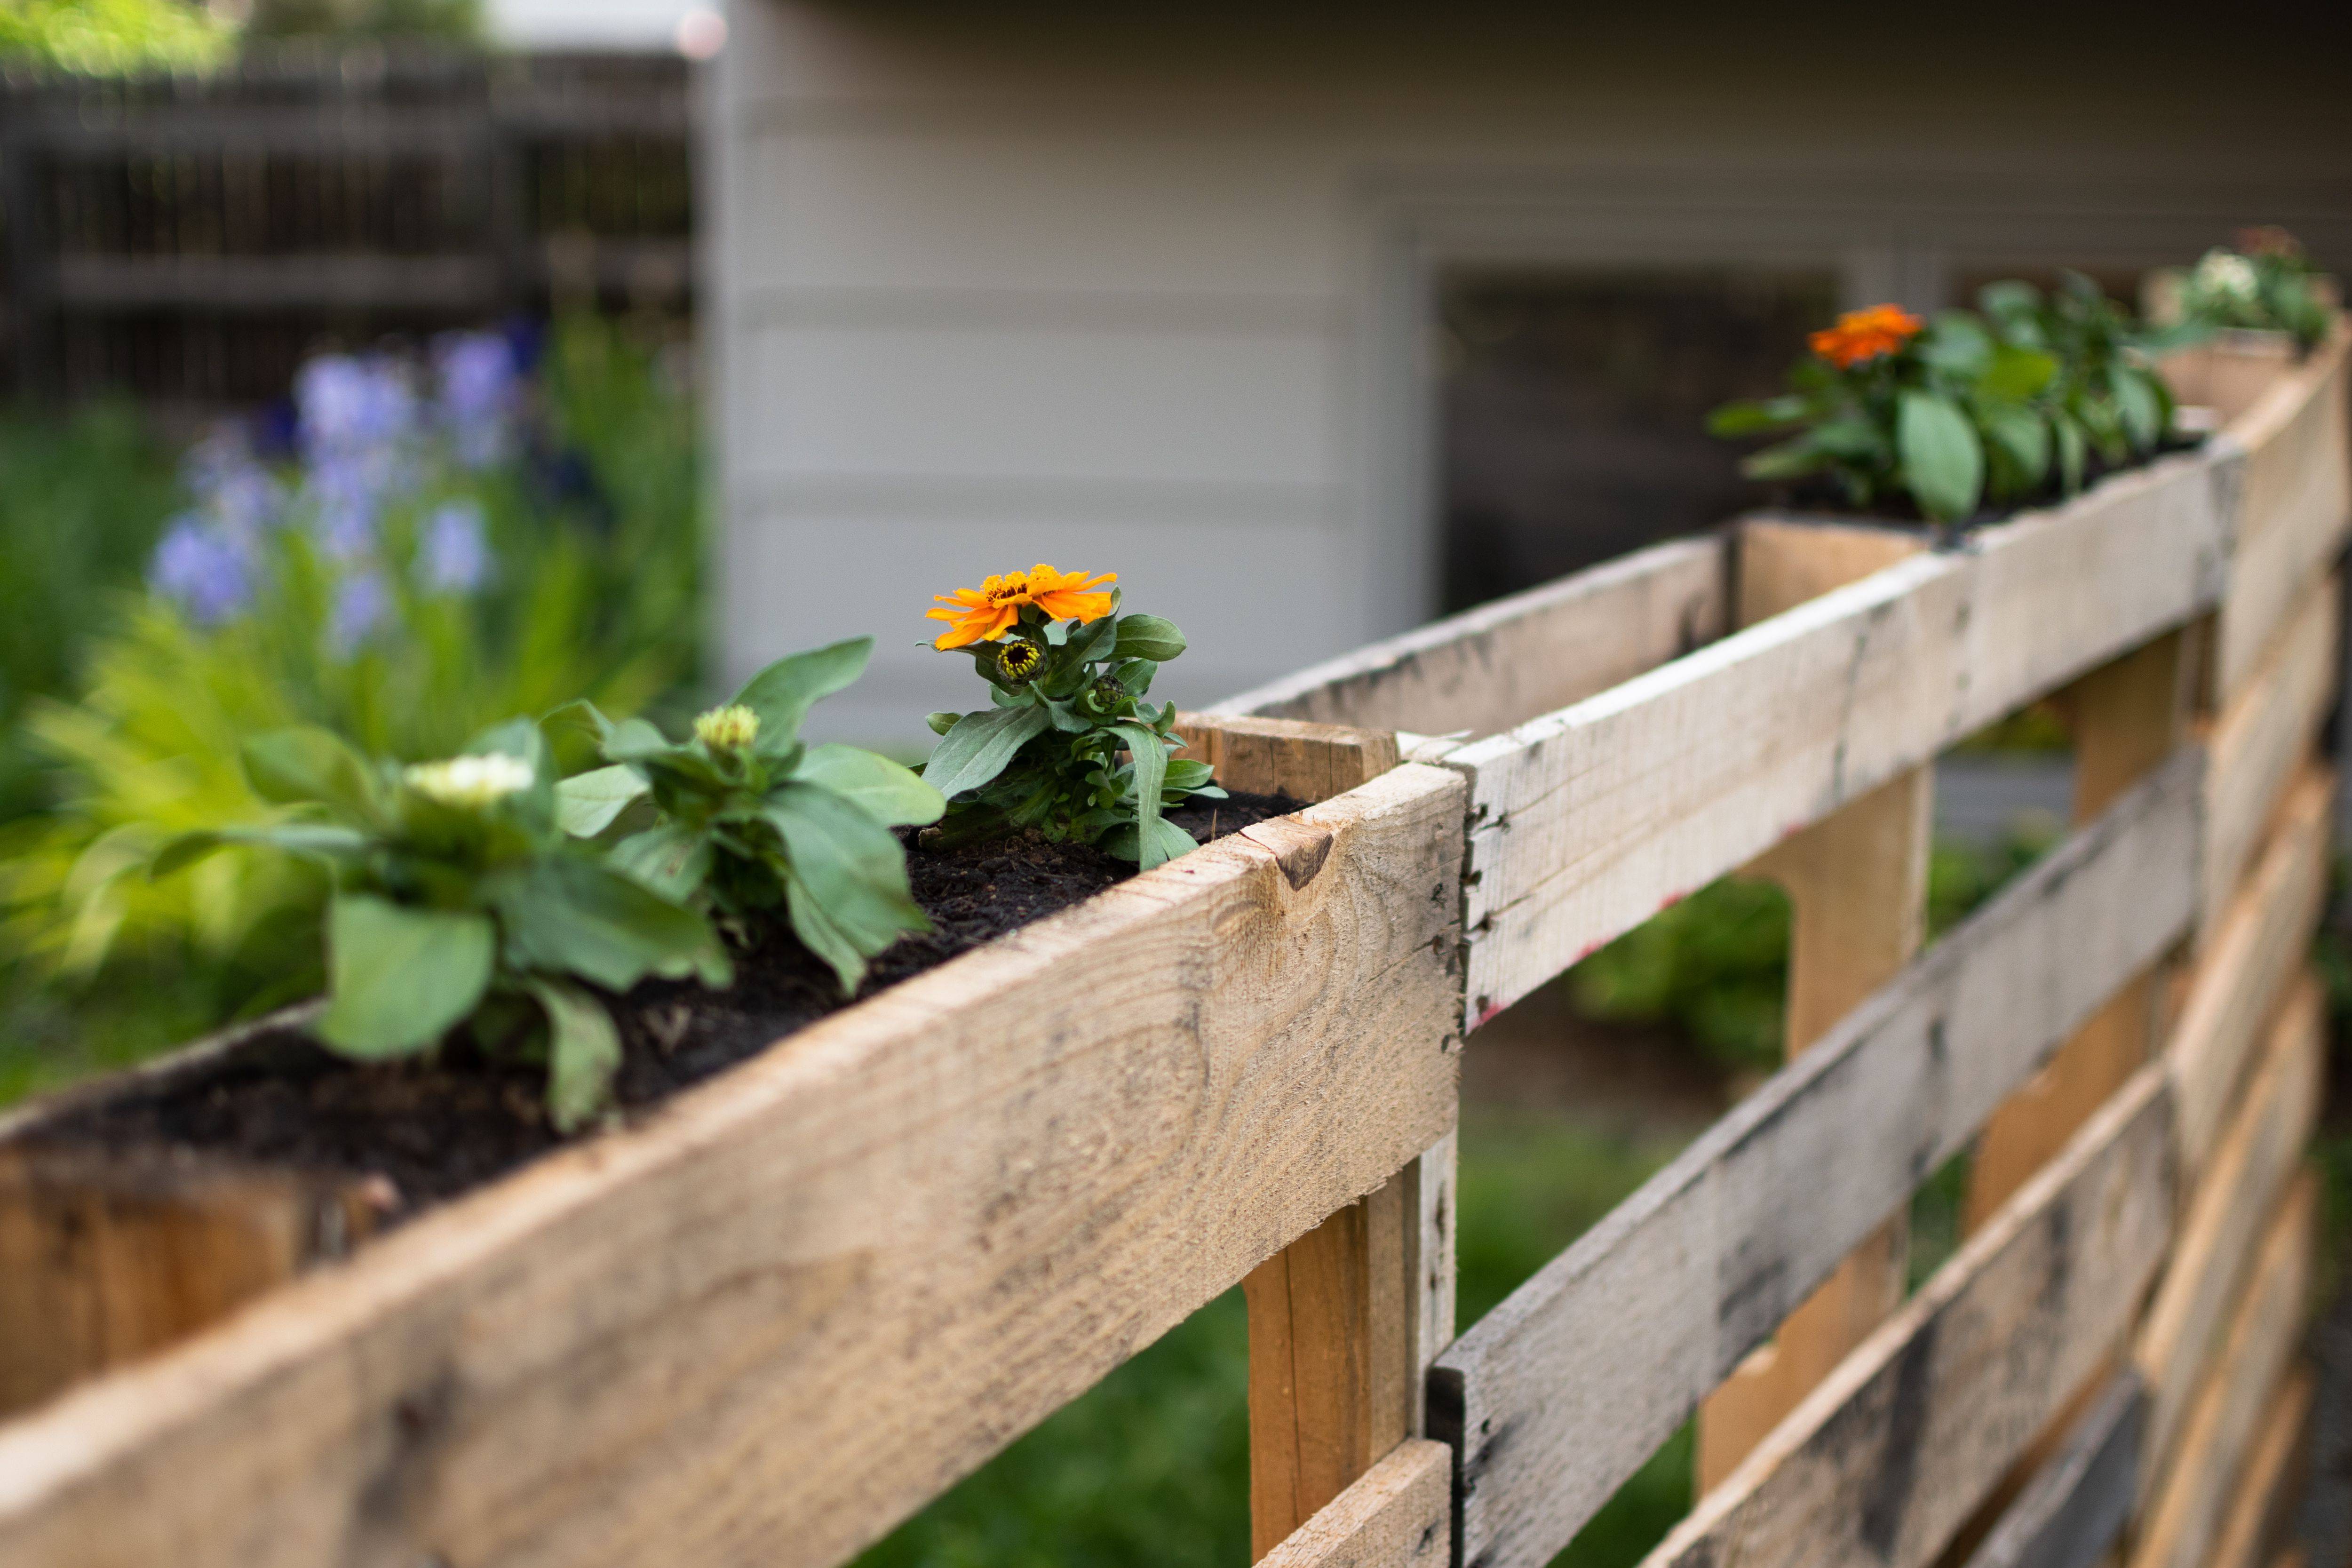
(419, 1132)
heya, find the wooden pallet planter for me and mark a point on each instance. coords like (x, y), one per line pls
(801, 1300)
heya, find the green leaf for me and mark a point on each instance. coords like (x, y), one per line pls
(584, 1052)
(1125, 842)
(2022, 436)
(1752, 418)
(576, 733)
(1942, 461)
(1148, 636)
(2019, 372)
(980, 746)
(1957, 344)
(318, 840)
(399, 978)
(1789, 460)
(513, 738)
(852, 867)
(2072, 453)
(567, 914)
(1136, 675)
(308, 765)
(635, 741)
(1187, 774)
(1151, 755)
(941, 723)
(586, 804)
(2136, 404)
(671, 860)
(782, 693)
(822, 935)
(889, 794)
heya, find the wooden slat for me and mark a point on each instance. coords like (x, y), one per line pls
(2273, 1478)
(2258, 1154)
(2294, 507)
(1495, 666)
(1394, 1516)
(1888, 1457)
(2263, 738)
(2247, 966)
(1565, 1389)
(2077, 1504)
(1585, 822)
(1269, 756)
(1784, 561)
(801, 1300)
(2185, 1508)
(2229, 374)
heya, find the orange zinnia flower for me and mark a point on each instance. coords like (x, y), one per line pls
(1866, 335)
(988, 612)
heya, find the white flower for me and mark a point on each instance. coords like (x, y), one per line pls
(470, 784)
(2227, 276)
(727, 729)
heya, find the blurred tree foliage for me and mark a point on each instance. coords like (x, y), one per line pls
(111, 38)
(442, 21)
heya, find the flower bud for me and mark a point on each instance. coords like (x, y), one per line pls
(470, 784)
(730, 729)
(1017, 661)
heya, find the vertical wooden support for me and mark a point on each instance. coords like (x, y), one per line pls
(1857, 883)
(2127, 717)
(1343, 1323)
(1857, 886)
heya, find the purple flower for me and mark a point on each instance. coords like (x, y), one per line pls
(479, 384)
(362, 605)
(343, 404)
(229, 485)
(455, 552)
(203, 569)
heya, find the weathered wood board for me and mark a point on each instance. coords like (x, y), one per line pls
(2247, 964)
(2266, 1494)
(2295, 504)
(798, 1302)
(1495, 666)
(1309, 762)
(1781, 561)
(2258, 1154)
(1394, 1516)
(1564, 1390)
(2229, 374)
(2265, 737)
(1890, 1456)
(2072, 1511)
(1586, 821)
(2187, 1504)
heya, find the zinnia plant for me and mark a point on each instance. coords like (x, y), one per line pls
(1070, 747)
(750, 823)
(2266, 284)
(457, 898)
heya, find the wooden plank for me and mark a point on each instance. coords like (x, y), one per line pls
(1784, 561)
(2126, 717)
(1271, 756)
(2078, 1503)
(2258, 1154)
(2295, 504)
(1585, 822)
(1888, 1457)
(1394, 1516)
(1858, 886)
(1564, 1390)
(2247, 966)
(799, 1301)
(2230, 372)
(2274, 1479)
(2186, 1506)
(1499, 664)
(2263, 738)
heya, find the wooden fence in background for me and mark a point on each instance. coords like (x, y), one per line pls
(773, 1320)
(187, 239)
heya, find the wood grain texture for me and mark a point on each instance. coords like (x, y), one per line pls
(1268, 757)
(2247, 966)
(2075, 1507)
(1566, 1388)
(1500, 664)
(1783, 562)
(1585, 822)
(2294, 505)
(2259, 1153)
(799, 1301)
(2229, 374)
(2186, 1506)
(1857, 883)
(2267, 1493)
(1887, 1458)
(2265, 736)
(1394, 1516)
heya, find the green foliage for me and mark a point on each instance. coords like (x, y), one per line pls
(446, 21)
(747, 820)
(453, 886)
(1713, 965)
(113, 37)
(2267, 284)
(82, 499)
(1965, 410)
(1069, 700)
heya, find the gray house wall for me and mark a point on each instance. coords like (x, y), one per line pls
(999, 284)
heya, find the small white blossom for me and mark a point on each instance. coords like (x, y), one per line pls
(2227, 276)
(470, 784)
(727, 729)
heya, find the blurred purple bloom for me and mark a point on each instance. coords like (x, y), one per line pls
(455, 551)
(362, 605)
(203, 569)
(479, 380)
(343, 404)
